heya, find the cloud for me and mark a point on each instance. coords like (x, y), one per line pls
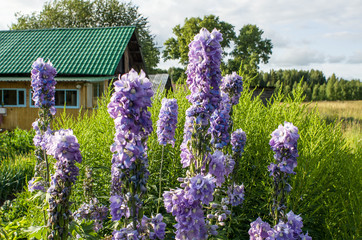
(336, 59)
(355, 58)
(298, 56)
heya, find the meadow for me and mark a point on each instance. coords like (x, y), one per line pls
(326, 189)
(348, 114)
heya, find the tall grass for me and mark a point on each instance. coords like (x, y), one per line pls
(326, 189)
(14, 174)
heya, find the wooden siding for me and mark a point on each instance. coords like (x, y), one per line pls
(23, 117)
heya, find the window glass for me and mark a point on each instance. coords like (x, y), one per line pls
(71, 96)
(21, 97)
(1, 97)
(10, 97)
(59, 98)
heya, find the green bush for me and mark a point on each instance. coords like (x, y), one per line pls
(16, 142)
(326, 189)
(14, 174)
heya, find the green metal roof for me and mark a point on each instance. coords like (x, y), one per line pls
(60, 79)
(73, 51)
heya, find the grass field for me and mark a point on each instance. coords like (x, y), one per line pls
(348, 114)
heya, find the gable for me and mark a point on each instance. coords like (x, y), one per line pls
(73, 51)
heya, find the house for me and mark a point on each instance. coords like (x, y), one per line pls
(86, 60)
(161, 81)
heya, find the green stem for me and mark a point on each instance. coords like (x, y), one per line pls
(160, 182)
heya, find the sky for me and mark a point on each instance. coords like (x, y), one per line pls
(306, 34)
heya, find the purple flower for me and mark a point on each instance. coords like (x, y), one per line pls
(64, 147)
(201, 188)
(232, 85)
(158, 226)
(92, 211)
(167, 121)
(238, 140)
(43, 84)
(296, 223)
(186, 154)
(118, 208)
(217, 167)
(305, 237)
(259, 230)
(236, 194)
(203, 71)
(281, 231)
(284, 144)
(36, 183)
(219, 123)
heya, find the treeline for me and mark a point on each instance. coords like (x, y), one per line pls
(315, 85)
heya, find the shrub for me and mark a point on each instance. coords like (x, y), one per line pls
(16, 142)
(14, 174)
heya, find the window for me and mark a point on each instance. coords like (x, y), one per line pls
(12, 97)
(67, 97)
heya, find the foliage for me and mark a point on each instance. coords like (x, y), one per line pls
(250, 49)
(16, 142)
(178, 48)
(92, 13)
(326, 188)
(14, 174)
(316, 86)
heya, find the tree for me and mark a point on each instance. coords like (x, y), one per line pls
(250, 46)
(315, 94)
(93, 13)
(177, 48)
(330, 90)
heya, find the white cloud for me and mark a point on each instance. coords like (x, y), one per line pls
(298, 56)
(355, 58)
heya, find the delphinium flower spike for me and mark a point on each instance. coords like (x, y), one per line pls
(64, 147)
(43, 85)
(197, 188)
(128, 108)
(166, 126)
(287, 226)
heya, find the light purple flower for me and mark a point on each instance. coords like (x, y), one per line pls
(238, 140)
(236, 194)
(232, 85)
(217, 167)
(284, 144)
(219, 124)
(259, 230)
(167, 121)
(43, 84)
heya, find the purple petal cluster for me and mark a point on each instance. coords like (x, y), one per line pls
(219, 123)
(217, 167)
(167, 121)
(203, 71)
(43, 85)
(284, 144)
(156, 224)
(128, 108)
(238, 140)
(64, 147)
(118, 208)
(92, 211)
(232, 84)
(188, 214)
(259, 230)
(236, 194)
(186, 154)
(201, 188)
(290, 230)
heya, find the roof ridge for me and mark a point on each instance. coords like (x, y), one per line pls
(57, 29)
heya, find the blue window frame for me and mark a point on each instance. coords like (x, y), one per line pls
(13, 97)
(64, 97)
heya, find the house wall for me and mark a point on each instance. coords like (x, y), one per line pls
(23, 117)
